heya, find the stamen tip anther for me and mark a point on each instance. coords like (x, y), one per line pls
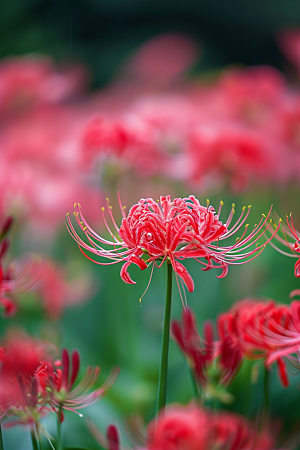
(249, 206)
(103, 209)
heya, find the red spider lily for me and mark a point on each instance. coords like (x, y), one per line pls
(186, 336)
(199, 354)
(264, 330)
(58, 384)
(194, 428)
(172, 231)
(20, 358)
(22, 275)
(289, 232)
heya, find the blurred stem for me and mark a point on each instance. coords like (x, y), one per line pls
(40, 439)
(59, 430)
(194, 385)
(1, 439)
(163, 370)
(266, 400)
(34, 440)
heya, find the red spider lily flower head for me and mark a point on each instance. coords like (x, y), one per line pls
(291, 240)
(60, 383)
(20, 358)
(22, 355)
(199, 354)
(232, 431)
(179, 428)
(22, 275)
(172, 231)
(264, 330)
(194, 428)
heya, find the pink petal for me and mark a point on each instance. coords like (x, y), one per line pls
(282, 372)
(224, 271)
(125, 275)
(184, 274)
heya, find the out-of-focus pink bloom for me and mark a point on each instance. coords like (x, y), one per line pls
(264, 330)
(199, 354)
(22, 355)
(172, 231)
(290, 238)
(179, 428)
(58, 384)
(24, 81)
(231, 153)
(22, 275)
(163, 57)
(252, 92)
(193, 428)
(20, 358)
(232, 431)
(57, 292)
(289, 43)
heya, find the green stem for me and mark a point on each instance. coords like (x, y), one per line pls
(40, 439)
(266, 400)
(1, 439)
(34, 440)
(59, 431)
(194, 385)
(163, 370)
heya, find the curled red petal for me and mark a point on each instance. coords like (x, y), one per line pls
(139, 262)
(184, 274)
(297, 269)
(294, 293)
(125, 275)
(224, 271)
(282, 372)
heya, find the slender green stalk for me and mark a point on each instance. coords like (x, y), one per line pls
(1, 439)
(59, 431)
(40, 439)
(265, 410)
(34, 440)
(163, 370)
(194, 385)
